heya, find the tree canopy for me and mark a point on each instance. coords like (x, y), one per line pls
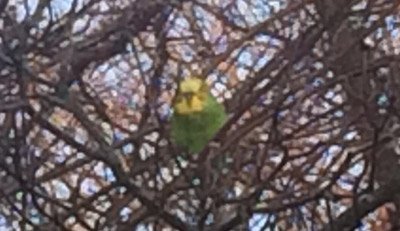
(311, 87)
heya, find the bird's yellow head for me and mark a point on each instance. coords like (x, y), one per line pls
(192, 96)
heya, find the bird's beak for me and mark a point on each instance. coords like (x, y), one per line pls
(188, 96)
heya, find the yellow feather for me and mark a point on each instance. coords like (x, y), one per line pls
(197, 104)
(191, 85)
(182, 107)
(192, 96)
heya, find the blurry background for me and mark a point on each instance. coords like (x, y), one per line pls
(311, 88)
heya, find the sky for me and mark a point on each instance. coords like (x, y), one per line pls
(245, 59)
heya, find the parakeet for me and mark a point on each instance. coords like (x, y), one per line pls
(197, 115)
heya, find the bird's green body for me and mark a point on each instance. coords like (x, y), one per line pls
(193, 131)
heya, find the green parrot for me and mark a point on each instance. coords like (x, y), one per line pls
(197, 115)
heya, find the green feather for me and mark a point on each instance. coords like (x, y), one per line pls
(193, 131)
